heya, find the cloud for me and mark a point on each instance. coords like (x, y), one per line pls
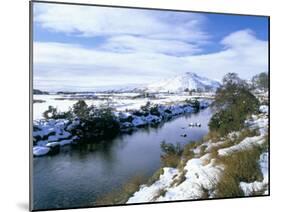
(65, 65)
(139, 44)
(104, 21)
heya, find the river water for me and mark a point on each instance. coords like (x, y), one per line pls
(78, 175)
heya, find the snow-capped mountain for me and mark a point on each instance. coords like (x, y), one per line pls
(185, 82)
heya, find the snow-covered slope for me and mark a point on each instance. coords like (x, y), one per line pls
(187, 81)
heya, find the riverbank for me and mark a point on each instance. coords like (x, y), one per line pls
(236, 165)
(49, 135)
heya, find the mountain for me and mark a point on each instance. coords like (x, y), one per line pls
(185, 82)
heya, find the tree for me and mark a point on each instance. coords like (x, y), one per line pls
(233, 103)
(80, 109)
(260, 81)
(95, 122)
(52, 113)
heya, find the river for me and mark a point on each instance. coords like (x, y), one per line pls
(78, 175)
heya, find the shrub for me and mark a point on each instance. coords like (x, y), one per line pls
(52, 113)
(146, 107)
(234, 102)
(154, 110)
(81, 110)
(260, 81)
(172, 154)
(193, 103)
(95, 122)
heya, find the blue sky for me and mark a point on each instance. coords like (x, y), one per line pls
(86, 48)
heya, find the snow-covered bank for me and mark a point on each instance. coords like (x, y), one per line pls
(49, 134)
(120, 101)
(200, 176)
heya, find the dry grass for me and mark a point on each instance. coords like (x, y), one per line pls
(155, 176)
(170, 160)
(238, 166)
(160, 192)
(213, 136)
(246, 133)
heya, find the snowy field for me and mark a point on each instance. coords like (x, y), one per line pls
(119, 101)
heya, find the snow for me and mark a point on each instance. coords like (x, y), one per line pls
(201, 173)
(243, 145)
(65, 142)
(256, 186)
(59, 130)
(50, 133)
(138, 121)
(146, 194)
(188, 80)
(40, 150)
(257, 123)
(121, 102)
(263, 109)
(198, 175)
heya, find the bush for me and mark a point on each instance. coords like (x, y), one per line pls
(193, 103)
(52, 113)
(172, 154)
(154, 110)
(260, 81)
(234, 102)
(98, 122)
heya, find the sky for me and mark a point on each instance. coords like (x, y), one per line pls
(86, 48)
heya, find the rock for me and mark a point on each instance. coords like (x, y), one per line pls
(40, 150)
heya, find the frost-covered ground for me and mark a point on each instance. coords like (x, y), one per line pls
(200, 174)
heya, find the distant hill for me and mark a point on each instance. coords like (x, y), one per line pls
(39, 92)
(186, 82)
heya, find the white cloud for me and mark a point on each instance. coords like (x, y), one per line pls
(139, 44)
(104, 21)
(64, 65)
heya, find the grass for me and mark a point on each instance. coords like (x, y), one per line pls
(214, 136)
(122, 195)
(246, 133)
(170, 160)
(171, 154)
(238, 166)
(155, 176)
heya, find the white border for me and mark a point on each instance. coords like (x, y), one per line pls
(14, 103)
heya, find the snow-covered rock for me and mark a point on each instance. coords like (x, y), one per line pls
(40, 150)
(138, 121)
(263, 109)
